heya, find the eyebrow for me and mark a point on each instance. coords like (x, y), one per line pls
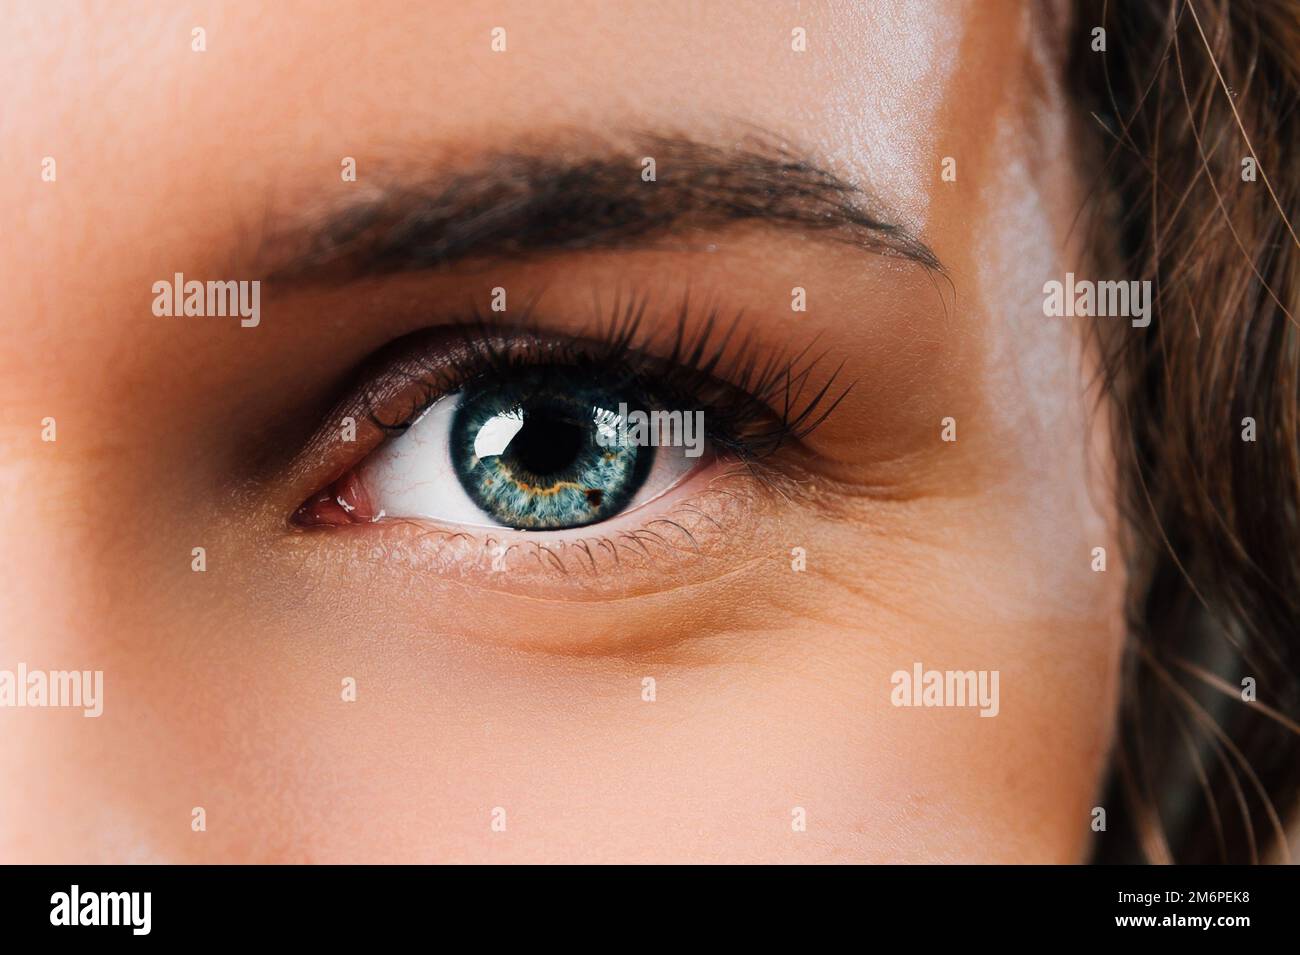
(527, 202)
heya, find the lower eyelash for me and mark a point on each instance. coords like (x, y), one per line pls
(684, 532)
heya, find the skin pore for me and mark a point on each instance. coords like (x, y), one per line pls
(522, 688)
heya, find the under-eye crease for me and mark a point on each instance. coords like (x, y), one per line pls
(531, 428)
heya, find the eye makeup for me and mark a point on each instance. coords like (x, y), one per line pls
(514, 427)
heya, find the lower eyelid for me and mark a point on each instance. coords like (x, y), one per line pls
(694, 532)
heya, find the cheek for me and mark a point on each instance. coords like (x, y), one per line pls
(953, 592)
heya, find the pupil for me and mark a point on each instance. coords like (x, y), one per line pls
(548, 442)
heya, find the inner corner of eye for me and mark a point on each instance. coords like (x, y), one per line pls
(537, 453)
(344, 501)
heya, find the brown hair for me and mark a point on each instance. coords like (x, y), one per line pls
(1192, 97)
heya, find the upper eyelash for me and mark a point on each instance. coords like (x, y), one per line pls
(752, 405)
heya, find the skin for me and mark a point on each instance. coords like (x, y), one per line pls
(524, 689)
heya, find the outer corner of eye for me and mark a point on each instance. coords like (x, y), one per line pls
(531, 455)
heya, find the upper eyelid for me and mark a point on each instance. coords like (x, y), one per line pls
(714, 358)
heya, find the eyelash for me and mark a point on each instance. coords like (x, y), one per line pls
(752, 407)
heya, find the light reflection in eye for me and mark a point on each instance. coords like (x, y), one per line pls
(495, 436)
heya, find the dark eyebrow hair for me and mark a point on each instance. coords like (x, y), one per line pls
(557, 199)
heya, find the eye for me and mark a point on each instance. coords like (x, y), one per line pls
(474, 425)
(548, 449)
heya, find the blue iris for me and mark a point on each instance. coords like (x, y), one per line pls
(526, 451)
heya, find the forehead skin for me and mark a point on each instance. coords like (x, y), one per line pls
(222, 692)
